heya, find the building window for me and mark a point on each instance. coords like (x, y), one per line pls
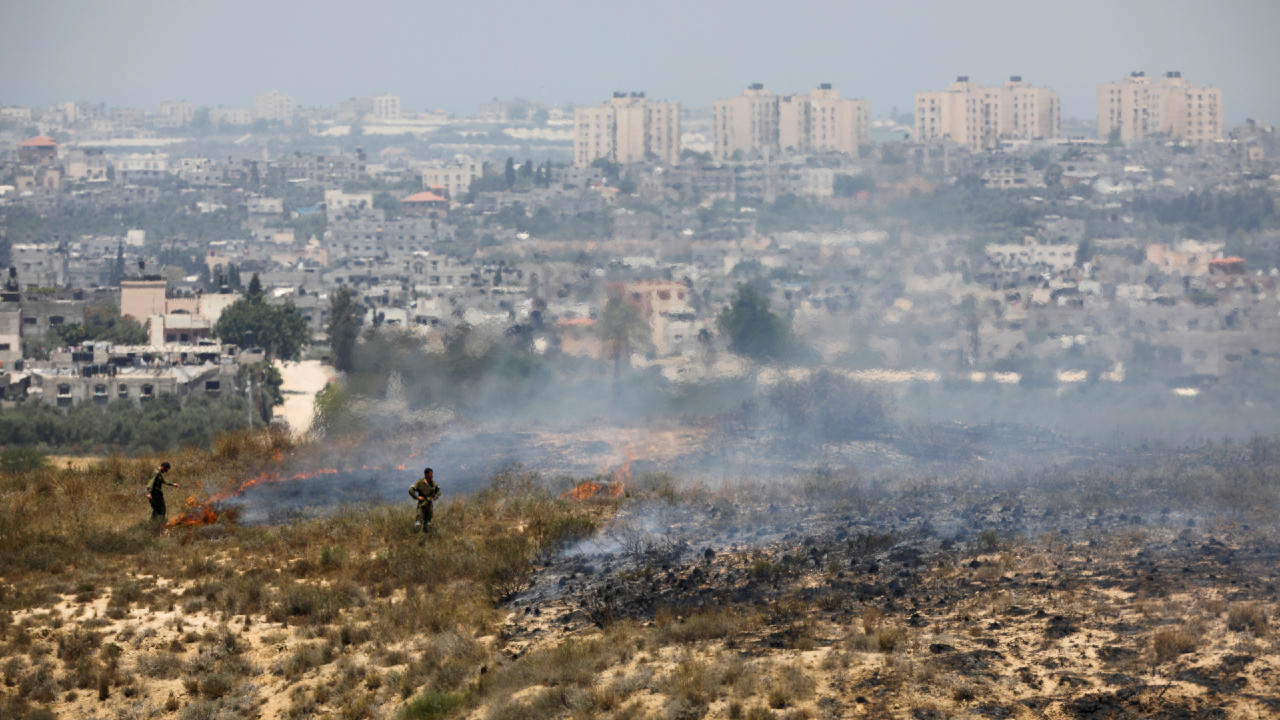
(148, 392)
(122, 391)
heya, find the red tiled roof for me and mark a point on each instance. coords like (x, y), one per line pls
(426, 196)
(38, 141)
(1227, 260)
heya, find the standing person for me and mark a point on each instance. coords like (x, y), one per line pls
(425, 491)
(155, 492)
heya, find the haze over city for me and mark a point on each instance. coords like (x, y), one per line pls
(453, 56)
(687, 361)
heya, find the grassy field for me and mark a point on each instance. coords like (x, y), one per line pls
(104, 615)
(350, 615)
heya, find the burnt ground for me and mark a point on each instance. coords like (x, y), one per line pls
(1079, 598)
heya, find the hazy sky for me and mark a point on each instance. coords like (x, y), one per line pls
(455, 55)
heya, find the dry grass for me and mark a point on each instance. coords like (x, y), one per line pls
(1169, 642)
(1248, 616)
(353, 582)
(350, 617)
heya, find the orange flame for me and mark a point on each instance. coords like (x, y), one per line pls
(611, 489)
(202, 511)
(194, 512)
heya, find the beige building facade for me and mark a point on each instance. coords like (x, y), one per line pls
(386, 107)
(980, 117)
(1139, 106)
(628, 128)
(746, 125)
(454, 177)
(274, 106)
(758, 123)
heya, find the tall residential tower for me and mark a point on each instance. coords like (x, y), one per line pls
(1138, 106)
(628, 128)
(758, 123)
(980, 116)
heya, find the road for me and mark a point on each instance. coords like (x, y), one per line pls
(302, 380)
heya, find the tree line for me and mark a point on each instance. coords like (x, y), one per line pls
(160, 424)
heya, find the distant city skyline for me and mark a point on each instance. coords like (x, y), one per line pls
(455, 57)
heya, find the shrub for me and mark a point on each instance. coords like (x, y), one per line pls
(1170, 642)
(21, 459)
(48, 556)
(160, 665)
(1247, 616)
(200, 710)
(320, 604)
(710, 625)
(76, 645)
(791, 684)
(123, 542)
(432, 705)
(215, 684)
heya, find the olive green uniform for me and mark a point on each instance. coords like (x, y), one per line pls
(425, 492)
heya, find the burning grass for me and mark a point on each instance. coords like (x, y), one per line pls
(836, 595)
(224, 620)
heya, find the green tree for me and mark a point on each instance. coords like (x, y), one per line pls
(344, 327)
(333, 411)
(266, 383)
(279, 329)
(622, 330)
(611, 170)
(117, 270)
(103, 322)
(388, 203)
(754, 330)
(254, 293)
(850, 185)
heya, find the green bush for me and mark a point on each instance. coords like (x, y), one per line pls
(433, 705)
(20, 459)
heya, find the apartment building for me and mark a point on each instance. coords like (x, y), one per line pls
(386, 108)
(274, 107)
(980, 117)
(746, 125)
(171, 114)
(821, 121)
(10, 328)
(141, 166)
(38, 264)
(759, 124)
(1139, 106)
(230, 116)
(628, 128)
(453, 176)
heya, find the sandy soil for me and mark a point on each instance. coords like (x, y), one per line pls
(302, 380)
